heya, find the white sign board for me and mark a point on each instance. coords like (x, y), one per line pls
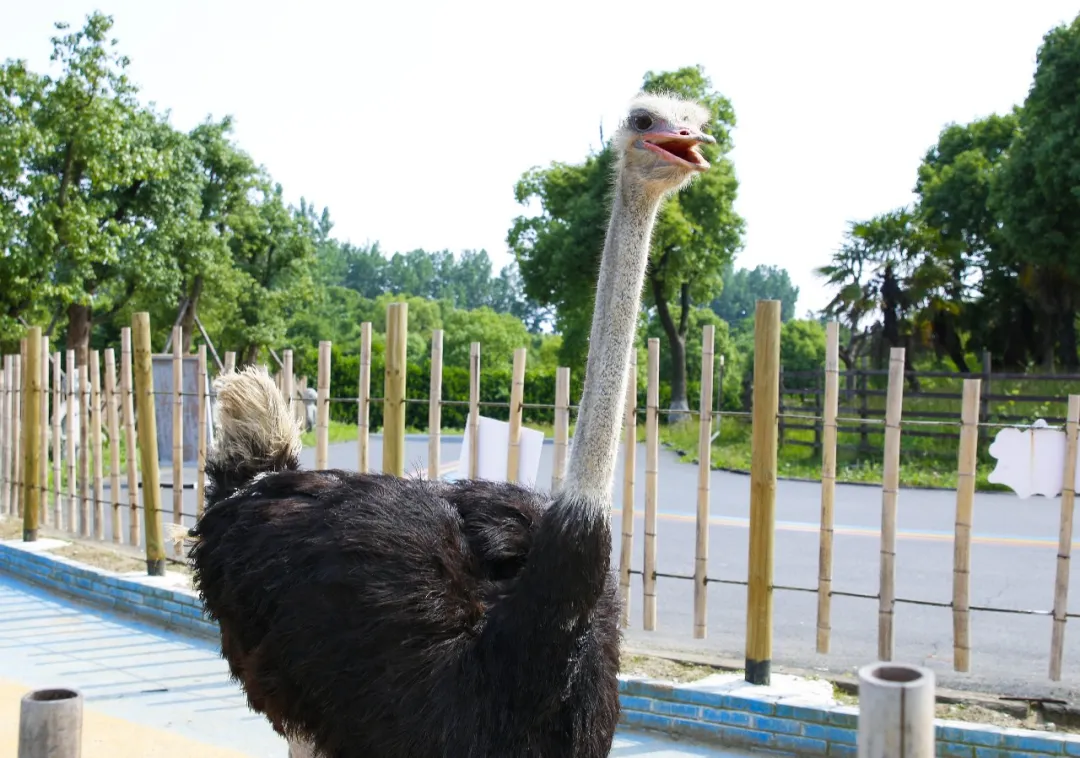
(494, 452)
(1030, 461)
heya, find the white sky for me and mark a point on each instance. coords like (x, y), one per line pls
(412, 120)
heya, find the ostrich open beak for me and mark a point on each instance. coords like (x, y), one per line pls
(679, 146)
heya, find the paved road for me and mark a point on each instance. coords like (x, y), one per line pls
(153, 694)
(1013, 566)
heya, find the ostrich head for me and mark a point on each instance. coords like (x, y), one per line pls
(657, 141)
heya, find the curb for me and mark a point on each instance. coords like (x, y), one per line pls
(793, 716)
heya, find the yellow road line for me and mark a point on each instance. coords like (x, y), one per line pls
(860, 531)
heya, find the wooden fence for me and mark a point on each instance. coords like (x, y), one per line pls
(123, 408)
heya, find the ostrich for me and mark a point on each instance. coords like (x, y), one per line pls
(372, 615)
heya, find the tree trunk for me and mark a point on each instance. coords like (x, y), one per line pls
(1067, 342)
(191, 309)
(78, 335)
(676, 334)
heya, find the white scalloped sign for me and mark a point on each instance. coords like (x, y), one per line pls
(1030, 461)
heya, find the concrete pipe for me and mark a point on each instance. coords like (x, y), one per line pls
(896, 711)
(50, 724)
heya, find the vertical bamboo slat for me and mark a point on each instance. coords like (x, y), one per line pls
(148, 452)
(230, 361)
(84, 448)
(562, 426)
(5, 437)
(322, 407)
(517, 397)
(474, 410)
(629, 471)
(965, 502)
(397, 336)
(200, 462)
(288, 388)
(58, 503)
(96, 446)
(178, 434)
(112, 418)
(435, 407)
(828, 484)
(1068, 502)
(363, 412)
(890, 485)
(652, 469)
(43, 422)
(127, 398)
(76, 517)
(701, 550)
(17, 437)
(763, 446)
(32, 486)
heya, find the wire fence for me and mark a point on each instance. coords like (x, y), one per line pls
(103, 443)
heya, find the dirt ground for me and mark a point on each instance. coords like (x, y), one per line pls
(125, 559)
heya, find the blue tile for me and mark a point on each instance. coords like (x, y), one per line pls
(843, 751)
(735, 718)
(846, 736)
(802, 713)
(679, 710)
(969, 736)
(634, 703)
(1031, 743)
(747, 737)
(801, 745)
(954, 750)
(780, 726)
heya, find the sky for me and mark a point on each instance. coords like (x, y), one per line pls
(412, 121)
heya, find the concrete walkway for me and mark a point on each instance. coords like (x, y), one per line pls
(150, 693)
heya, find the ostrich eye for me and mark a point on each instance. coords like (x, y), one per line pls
(642, 122)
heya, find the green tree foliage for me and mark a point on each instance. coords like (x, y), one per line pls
(696, 235)
(743, 287)
(988, 258)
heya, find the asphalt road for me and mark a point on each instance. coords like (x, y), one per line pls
(1013, 567)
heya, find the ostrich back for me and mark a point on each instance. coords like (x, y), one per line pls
(354, 611)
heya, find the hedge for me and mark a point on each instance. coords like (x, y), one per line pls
(494, 387)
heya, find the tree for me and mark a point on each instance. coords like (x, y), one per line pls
(696, 234)
(1038, 194)
(92, 152)
(744, 287)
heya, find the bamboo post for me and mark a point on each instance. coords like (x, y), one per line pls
(322, 408)
(112, 418)
(652, 469)
(178, 434)
(58, 505)
(5, 439)
(200, 462)
(287, 389)
(84, 448)
(965, 502)
(32, 446)
(17, 422)
(397, 330)
(76, 516)
(435, 406)
(127, 397)
(629, 471)
(701, 550)
(759, 597)
(828, 484)
(896, 711)
(50, 724)
(474, 410)
(43, 458)
(517, 397)
(230, 361)
(1068, 499)
(363, 412)
(562, 426)
(148, 452)
(95, 441)
(890, 484)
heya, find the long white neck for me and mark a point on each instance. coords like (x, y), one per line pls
(591, 468)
